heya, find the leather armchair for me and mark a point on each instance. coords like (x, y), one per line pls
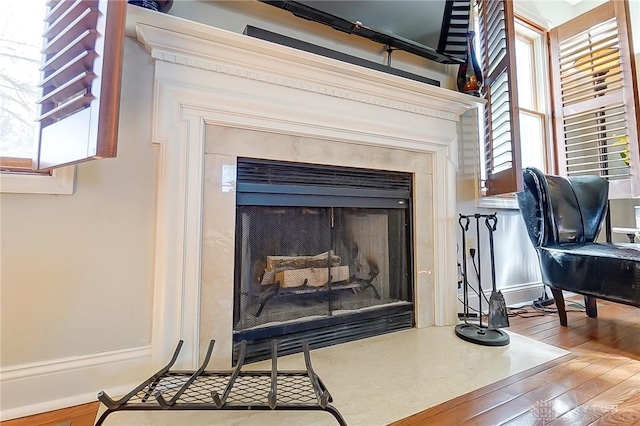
(563, 217)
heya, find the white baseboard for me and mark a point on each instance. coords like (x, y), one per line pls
(29, 389)
(515, 296)
(523, 293)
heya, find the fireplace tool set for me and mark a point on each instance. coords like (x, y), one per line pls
(489, 334)
(227, 390)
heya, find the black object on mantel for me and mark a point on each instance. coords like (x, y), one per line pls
(157, 5)
(469, 73)
(227, 390)
(490, 334)
(333, 54)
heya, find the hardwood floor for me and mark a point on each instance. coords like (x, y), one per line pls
(80, 415)
(597, 384)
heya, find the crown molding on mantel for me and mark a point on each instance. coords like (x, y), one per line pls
(205, 47)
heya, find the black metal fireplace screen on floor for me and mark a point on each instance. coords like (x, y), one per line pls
(323, 254)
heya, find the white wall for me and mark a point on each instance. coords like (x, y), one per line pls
(77, 270)
(516, 263)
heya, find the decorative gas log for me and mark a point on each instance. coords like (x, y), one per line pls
(311, 277)
(278, 264)
(301, 262)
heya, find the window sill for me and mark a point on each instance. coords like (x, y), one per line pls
(60, 181)
(509, 203)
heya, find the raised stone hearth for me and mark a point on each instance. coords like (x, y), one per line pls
(220, 96)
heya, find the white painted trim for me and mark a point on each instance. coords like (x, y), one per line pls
(508, 203)
(522, 293)
(34, 388)
(517, 295)
(60, 182)
(524, 13)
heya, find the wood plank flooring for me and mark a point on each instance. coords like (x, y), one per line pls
(597, 384)
(80, 415)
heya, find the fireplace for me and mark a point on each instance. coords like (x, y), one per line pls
(221, 97)
(323, 254)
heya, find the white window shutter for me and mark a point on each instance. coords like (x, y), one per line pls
(81, 75)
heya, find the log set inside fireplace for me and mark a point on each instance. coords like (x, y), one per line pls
(323, 254)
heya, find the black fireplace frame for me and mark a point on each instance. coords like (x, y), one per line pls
(276, 183)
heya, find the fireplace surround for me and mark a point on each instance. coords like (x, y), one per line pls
(220, 96)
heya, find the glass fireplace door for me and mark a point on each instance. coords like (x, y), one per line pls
(283, 259)
(300, 263)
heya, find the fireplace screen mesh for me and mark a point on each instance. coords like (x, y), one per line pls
(300, 263)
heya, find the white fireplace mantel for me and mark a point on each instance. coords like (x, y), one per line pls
(207, 78)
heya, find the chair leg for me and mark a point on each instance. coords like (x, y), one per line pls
(591, 307)
(562, 312)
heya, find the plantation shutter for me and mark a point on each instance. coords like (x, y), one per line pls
(501, 124)
(81, 74)
(593, 76)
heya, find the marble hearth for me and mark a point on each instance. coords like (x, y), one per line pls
(221, 95)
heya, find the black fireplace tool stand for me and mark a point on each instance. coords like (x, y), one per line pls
(227, 390)
(483, 334)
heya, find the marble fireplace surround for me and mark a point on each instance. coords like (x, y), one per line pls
(219, 96)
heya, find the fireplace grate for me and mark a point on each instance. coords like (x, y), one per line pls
(228, 390)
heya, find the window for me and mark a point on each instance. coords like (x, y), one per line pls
(80, 83)
(532, 97)
(531, 73)
(20, 43)
(594, 126)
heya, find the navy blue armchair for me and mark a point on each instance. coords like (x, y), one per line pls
(563, 217)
